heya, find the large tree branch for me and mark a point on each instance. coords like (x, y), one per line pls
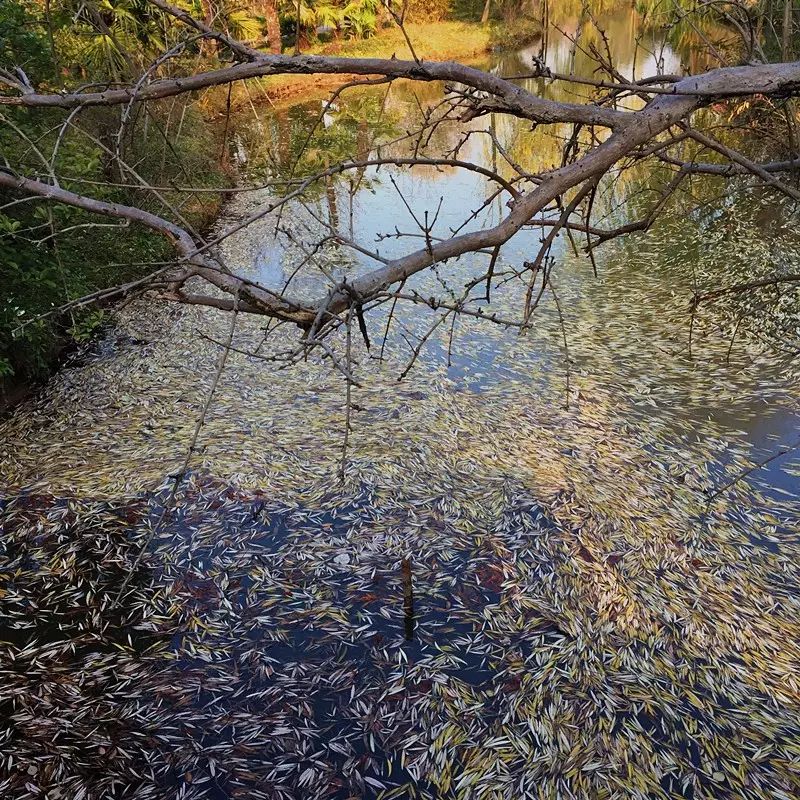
(744, 162)
(192, 261)
(514, 99)
(631, 131)
(730, 170)
(766, 79)
(642, 127)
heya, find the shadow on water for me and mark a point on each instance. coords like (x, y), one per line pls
(256, 665)
(203, 658)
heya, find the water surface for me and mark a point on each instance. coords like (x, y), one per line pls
(505, 597)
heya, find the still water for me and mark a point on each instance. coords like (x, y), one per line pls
(524, 586)
(628, 328)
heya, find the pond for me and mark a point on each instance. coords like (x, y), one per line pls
(538, 575)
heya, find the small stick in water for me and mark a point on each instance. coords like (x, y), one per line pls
(408, 598)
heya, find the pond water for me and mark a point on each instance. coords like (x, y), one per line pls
(525, 585)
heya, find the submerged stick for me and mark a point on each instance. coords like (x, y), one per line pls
(408, 599)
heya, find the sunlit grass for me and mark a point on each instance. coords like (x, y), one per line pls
(440, 41)
(432, 40)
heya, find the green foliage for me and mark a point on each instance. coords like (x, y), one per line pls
(243, 26)
(36, 279)
(21, 44)
(360, 18)
(105, 38)
(51, 254)
(85, 327)
(357, 19)
(429, 10)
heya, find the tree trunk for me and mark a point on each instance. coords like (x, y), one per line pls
(208, 47)
(485, 15)
(297, 30)
(269, 9)
(787, 29)
(284, 150)
(333, 207)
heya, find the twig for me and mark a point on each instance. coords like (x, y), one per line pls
(742, 475)
(181, 474)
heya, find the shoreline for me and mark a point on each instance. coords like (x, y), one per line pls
(467, 42)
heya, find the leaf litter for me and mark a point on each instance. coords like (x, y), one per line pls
(504, 599)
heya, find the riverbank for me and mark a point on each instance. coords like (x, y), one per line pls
(92, 259)
(27, 360)
(432, 41)
(82, 256)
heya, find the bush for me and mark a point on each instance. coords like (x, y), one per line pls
(40, 271)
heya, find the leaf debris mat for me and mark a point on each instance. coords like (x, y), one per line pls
(583, 623)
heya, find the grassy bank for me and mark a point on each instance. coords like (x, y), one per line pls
(432, 41)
